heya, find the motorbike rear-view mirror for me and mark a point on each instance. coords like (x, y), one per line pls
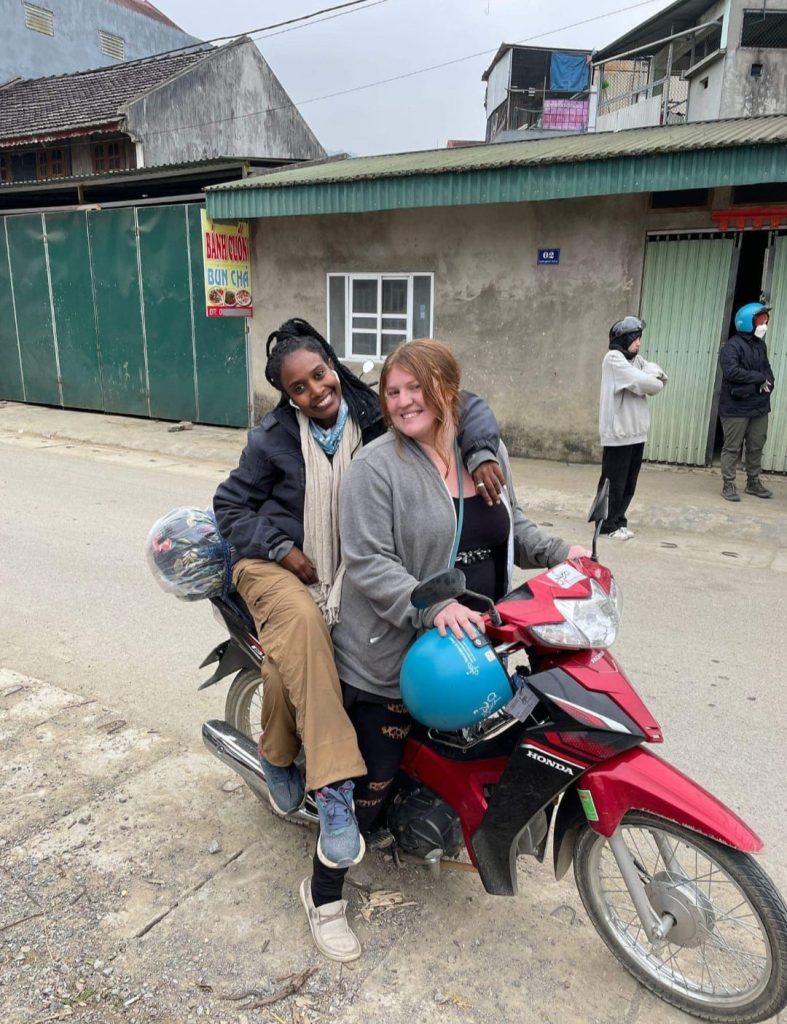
(600, 507)
(367, 367)
(442, 586)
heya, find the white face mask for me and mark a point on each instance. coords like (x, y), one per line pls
(760, 331)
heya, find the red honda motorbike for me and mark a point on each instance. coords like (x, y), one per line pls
(663, 869)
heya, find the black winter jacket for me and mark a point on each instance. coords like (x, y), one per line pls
(745, 368)
(259, 507)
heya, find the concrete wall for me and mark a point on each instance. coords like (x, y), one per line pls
(230, 104)
(530, 338)
(742, 95)
(637, 115)
(75, 43)
(705, 102)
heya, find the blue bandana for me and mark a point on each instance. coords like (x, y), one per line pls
(330, 439)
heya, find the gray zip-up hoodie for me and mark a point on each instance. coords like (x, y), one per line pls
(623, 414)
(397, 524)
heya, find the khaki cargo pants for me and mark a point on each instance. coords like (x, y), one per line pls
(302, 696)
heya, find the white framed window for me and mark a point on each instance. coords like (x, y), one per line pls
(111, 45)
(39, 19)
(370, 314)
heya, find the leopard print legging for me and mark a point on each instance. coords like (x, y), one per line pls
(382, 732)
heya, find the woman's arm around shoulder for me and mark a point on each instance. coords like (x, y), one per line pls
(479, 439)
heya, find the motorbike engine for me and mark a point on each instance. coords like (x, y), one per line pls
(421, 822)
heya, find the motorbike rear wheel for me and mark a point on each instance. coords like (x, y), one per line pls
(726, 957)
(243, 706)
(243, 711)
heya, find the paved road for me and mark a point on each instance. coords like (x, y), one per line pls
(80, 613)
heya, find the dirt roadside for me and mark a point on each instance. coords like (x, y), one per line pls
(139, 883)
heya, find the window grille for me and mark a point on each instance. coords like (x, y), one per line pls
(39, 19)
(370, 314)
(764, 29)
(111, 45)
(108, 156)
(53, 163)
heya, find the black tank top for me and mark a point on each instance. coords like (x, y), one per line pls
(483, 548)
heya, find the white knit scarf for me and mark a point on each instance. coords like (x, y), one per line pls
(321, 513)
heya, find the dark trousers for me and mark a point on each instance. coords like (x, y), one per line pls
(620, 465)
(382, 731)
(739, 430)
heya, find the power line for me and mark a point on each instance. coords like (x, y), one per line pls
(406, 74)
(278, 24)
(294, 28)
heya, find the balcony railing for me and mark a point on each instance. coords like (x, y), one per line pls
(663, 101)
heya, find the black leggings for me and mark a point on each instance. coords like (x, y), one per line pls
(382, 733)
(620, 465)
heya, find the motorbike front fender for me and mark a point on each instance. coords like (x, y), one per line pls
(569, 821)
(638, 780)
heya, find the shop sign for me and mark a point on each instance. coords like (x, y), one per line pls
(225, 253)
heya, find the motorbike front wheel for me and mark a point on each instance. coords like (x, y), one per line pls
(725, 958)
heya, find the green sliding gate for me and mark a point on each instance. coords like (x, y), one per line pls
(105, 310)
(684, 304)
(774, 457)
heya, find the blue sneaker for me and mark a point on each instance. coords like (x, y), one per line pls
(340, 844)
(285, 787)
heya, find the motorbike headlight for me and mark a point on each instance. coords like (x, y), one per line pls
(589, 622)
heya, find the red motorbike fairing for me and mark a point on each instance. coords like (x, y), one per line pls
(639, 780)
(459, 783)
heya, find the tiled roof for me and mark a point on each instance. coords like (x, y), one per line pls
(40, 107)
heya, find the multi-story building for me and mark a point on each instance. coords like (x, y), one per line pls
(696, 61)
(537, 91)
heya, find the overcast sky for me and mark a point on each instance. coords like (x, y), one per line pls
(396, 37)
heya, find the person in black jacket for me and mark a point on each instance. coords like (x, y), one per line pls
(745, 400)
(279, 512)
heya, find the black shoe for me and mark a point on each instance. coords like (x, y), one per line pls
(758, 489)
(728, 491)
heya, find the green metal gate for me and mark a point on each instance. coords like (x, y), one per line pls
(774, 458)
(106, 311)
(685, 305)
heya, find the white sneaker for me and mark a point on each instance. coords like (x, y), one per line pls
(332, 935)
(621, 534)
(628, 532)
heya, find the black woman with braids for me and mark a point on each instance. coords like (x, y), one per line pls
(279, 511)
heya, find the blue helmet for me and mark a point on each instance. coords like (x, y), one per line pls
(188, 556)
(449, 684)
(744, 318)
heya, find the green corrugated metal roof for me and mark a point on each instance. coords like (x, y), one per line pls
(703, 154)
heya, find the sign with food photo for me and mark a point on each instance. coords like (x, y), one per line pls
(225, 252)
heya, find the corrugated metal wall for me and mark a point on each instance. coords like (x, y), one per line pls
(684, 294)
(106, 311)
(774, 457)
